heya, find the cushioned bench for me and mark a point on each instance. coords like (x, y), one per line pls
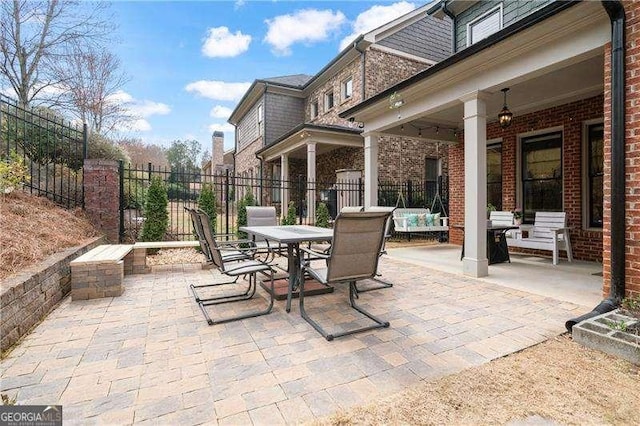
(412, 220)
(139, 264)
(549, 232)
(100, 271)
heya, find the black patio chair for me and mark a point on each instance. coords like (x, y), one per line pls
(354, 254)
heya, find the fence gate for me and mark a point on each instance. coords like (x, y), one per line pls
(52, 148)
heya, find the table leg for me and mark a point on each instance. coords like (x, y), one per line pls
(293, 267)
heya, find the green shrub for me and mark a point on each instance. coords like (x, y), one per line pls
(101, 147)
(156, 217)
(248, 200)
(290, 218)
(207, 203)
(13, 173)
(322, 216)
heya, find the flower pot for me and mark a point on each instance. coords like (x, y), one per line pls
(517, 222)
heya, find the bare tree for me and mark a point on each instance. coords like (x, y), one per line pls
(91, 79)
(35, 35)
(142, 153)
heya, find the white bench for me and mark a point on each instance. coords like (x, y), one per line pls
(100, 271)
(548, 232)
(402, 223)
(139, 264)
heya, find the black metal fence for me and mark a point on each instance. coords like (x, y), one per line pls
(53, 150)
(183, 190)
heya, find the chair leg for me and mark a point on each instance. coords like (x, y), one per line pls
(252, 283)
(383, 284)
(330, 336)
(195, 286)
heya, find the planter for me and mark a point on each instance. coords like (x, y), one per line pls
(613, 333)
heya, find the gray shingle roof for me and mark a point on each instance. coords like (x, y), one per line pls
(297, 80)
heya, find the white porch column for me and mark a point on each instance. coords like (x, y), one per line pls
(370, 170)
(311, 182)
(475, 261)
(284, 183)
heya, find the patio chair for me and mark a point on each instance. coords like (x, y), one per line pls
(265, 216)
(355, 250)
(383, 251)
(233, 260)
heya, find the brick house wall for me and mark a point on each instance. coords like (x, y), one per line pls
(632, 123)
(384, 70)
(586, 244)
(330, 117)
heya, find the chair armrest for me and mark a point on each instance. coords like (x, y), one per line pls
(317, 254)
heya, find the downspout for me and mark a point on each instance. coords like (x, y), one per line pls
(362, 69)
(615, 10)
(443, 7)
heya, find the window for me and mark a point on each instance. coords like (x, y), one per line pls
(260, 118)
(328, 101)
(595, 165)
(494, 175)
(484, 25)
(347, 89)
(431, 172)
(541, 174)
(314, 109)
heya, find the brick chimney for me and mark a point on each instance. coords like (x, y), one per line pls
(217, 149)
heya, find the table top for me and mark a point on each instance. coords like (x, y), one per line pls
(290, 233)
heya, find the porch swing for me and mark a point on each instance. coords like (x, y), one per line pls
(421, 219)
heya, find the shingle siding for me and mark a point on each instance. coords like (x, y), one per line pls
(248, 126)
(282, 113)
(428, 38)
(512, 11)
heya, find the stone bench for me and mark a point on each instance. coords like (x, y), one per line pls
(100, 271)
(139, 264)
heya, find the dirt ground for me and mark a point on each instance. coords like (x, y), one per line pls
(556, 381)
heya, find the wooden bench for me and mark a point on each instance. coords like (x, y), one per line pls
(100, 271)
(139, 264)
(402, 222)
(548, 232)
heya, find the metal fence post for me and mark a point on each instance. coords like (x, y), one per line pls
(410, 193)
(226, 196)
(300, 199)
(121, 198)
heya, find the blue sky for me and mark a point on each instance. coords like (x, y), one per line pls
(189, 63)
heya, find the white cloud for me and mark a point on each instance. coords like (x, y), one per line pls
(218, 90)
(375, 17)
(139, 110)
(221, 127)
(221, 43)
(238, 4)
(220, 111)
(304, 26)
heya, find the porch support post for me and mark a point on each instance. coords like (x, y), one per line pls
(475, 261)
(284, 183)
(311, 182)
(370, 170)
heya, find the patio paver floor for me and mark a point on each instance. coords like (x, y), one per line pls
(148, 356)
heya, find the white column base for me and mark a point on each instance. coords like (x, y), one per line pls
(475, 268)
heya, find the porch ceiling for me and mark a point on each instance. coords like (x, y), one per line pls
(574, 82)
(553, 62)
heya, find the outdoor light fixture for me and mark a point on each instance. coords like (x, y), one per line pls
(395, 100)
(505, 115)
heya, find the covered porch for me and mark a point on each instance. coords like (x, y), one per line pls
(304, 151)
(550, 158)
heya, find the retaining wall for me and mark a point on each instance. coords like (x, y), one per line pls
(27, 298)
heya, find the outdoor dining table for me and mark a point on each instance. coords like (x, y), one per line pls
(497, 248)
(292, 236)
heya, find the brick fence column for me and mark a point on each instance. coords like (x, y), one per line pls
(102, 196)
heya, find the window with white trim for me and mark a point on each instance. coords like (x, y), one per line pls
(328, 100)
(347, 89)
(314, 109)
(260, 118)
(484, 25)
